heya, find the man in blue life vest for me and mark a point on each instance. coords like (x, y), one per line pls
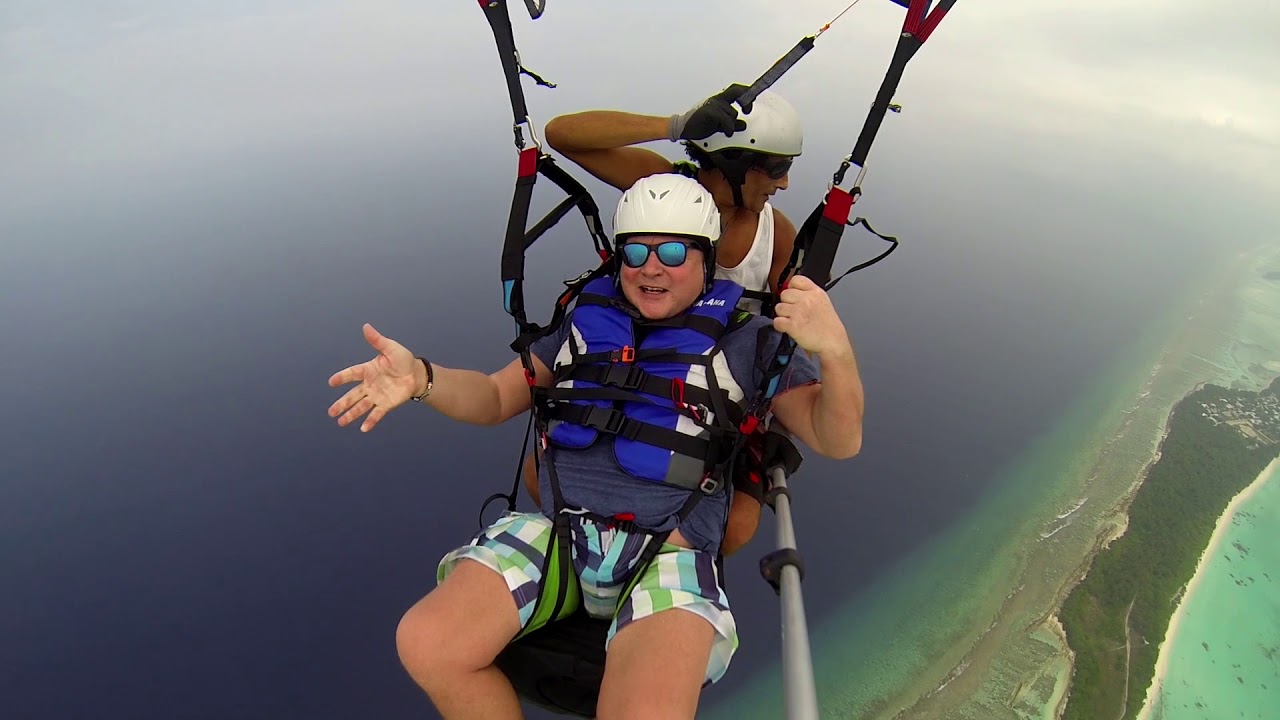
(633, 395)
(742, 159)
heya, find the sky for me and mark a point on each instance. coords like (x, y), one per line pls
(114, 94)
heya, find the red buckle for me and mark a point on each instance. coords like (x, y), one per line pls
(528, 377)
(749, 424)
(626, 355)
(838, 205)
(528, 163)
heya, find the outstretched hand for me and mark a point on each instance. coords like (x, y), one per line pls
(386, 382)
(805, 313)
(714, 115)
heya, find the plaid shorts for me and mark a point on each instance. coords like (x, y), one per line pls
(603, 558)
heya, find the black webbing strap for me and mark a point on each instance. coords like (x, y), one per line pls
(495, 11)
(632, 377)
(916, 29)
(518, 239)
(779, 68)
(532, 163)
(616, 422)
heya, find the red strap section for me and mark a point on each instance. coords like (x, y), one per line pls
(528, 159)
(625, 516)
(677, 392)
(749, 424)
(528, 377)
(839, 203)
(931, 23)
(915, 16)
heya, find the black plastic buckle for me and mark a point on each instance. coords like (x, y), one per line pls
(610, 423)
(627, 377)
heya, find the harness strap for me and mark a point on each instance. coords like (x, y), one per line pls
(630, 377)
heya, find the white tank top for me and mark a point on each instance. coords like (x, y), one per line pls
(753, 272)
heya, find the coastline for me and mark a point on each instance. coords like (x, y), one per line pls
(989, 644)
(1219, 532)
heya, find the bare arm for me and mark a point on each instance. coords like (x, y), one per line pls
(394, 376)
(599, 140)
(826, 416)
(473, 397)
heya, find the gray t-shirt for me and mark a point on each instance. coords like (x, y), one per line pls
(592, 479)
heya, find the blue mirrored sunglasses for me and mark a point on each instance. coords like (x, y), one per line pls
(672, 253)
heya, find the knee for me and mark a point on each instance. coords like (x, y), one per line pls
(417, 643)
(458, 628)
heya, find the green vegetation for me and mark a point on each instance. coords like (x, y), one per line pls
(1204, 462)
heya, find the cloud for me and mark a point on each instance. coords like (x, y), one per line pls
(103, 87)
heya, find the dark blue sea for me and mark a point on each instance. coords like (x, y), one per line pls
(185, 533)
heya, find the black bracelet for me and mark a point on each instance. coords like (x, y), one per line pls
(430, 380)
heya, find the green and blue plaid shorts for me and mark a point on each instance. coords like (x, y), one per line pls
(603, 558)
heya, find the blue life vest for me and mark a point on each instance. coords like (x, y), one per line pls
(668, 401)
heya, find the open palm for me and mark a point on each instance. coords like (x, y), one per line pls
(386, 382)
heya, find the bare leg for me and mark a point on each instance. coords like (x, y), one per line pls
(448, 640)
(744, 518)
(531, 477)
(655, 668)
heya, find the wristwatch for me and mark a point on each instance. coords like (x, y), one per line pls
(430, 378)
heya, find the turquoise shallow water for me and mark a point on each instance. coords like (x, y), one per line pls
(1225, 656)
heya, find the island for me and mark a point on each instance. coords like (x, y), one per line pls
(1217, 442)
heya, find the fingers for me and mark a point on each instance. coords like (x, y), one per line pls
(364, 405)
(801, 282)
(375, 416)
(351, 397)
(347, 375)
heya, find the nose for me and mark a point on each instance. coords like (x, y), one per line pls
(783, 181)
(652, 265)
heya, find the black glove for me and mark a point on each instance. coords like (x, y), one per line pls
(714, 115)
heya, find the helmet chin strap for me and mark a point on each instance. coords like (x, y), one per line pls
(734, 171)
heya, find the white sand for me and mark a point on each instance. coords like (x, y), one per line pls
(1219, 532)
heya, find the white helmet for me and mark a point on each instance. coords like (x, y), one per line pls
(773, 128)
(667, 204)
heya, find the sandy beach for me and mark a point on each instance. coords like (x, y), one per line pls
(1219, 532)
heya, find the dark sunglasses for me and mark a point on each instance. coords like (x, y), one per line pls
(672, 253)
(775, 166)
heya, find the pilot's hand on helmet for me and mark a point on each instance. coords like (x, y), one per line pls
(804, 312)
(716, 114)
(387, 381)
